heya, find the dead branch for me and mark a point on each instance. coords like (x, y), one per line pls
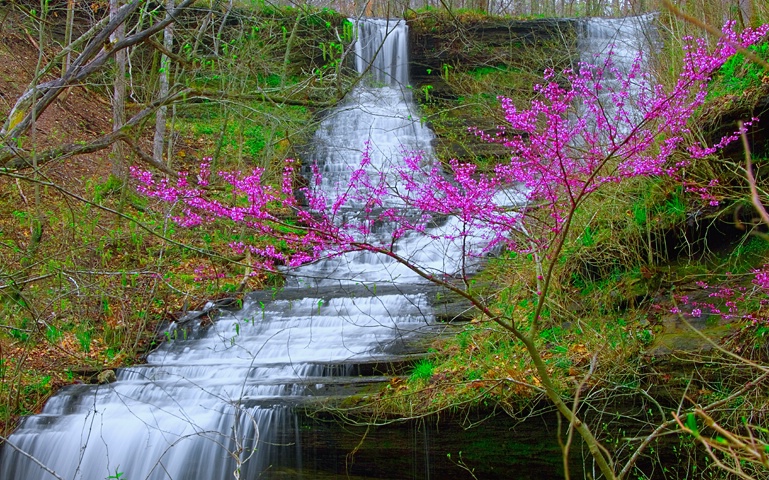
(22, 160)
(32, 103)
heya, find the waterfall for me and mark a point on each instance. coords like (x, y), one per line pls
(382, 115)
(625, 37)
(223, 398)
(621, 42)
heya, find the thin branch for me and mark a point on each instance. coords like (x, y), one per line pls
(96, 54)
(38, 462)
(721, 349)
(162, 49)
(716, 32)
(754, 197)
(574, 408)
(123, 133)
(666, 425)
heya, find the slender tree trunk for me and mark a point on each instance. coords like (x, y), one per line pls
(170, 133)
(201, 31)
(289, 45)
(68, 34)
(220, 31)
(746, 12)
(165, 70)
(118, 96)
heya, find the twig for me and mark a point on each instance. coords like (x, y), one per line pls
(714, 31)
(721, 349)
(38, 462)
(162, 49)
(21, 192)
(751, 178)
(665, 425)
(575, 406)
(738, 448)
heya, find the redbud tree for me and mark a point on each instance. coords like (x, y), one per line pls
(588, 127)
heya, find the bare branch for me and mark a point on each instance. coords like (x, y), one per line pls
(162, 49)
(22, 160)
(38, 462)
(96, 54)
(714, 31)
(754, 197)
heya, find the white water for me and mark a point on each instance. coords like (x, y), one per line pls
(621, 41)
(227, 392)
(384, 115)
(201, 402)
(625, 37)
(183, 412)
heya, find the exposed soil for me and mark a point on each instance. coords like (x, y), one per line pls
(79, 114)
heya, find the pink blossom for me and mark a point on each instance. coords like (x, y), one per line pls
(564, 146)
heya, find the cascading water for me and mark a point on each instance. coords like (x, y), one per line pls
(617, 43)
(222, 399)
(625, 37)
(383, 115)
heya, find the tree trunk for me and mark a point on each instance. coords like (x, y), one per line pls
(220, 31)
(746, 12)
(165, 69)
(118, 96)
(289, 45)
(68, 34)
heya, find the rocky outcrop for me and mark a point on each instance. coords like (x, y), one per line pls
(721, 114)
(470, 44)
(106, 376)
(452, 57)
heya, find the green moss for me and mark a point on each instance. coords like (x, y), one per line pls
(739, 73)
(748, 254)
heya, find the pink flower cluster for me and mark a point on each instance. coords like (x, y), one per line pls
(204, 273)
(568, 144)
(730, 302)
(253, 203)
(563, 147)
(705, 193)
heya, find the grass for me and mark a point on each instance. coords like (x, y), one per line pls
(739, 74)
(749, 253)
(483, 366)
(423, 371)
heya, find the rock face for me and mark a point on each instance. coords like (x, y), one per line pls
(720, 117)
(481, 43)
(452, 57)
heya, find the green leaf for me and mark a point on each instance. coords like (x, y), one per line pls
(691, 424)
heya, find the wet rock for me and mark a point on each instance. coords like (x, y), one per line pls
(106, 376)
